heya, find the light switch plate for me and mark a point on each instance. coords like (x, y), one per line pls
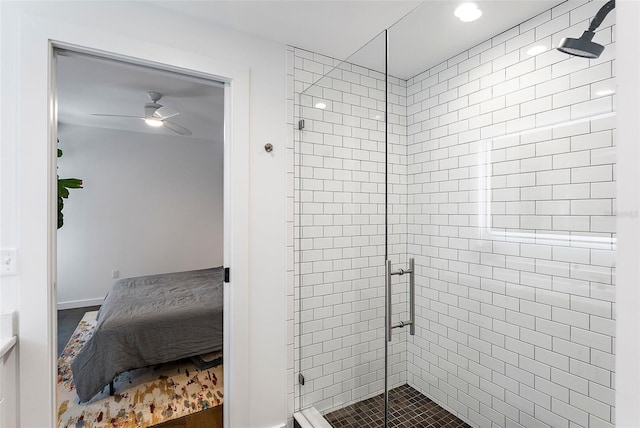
(8, 262)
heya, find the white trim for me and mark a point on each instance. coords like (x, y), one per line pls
(36, 205)
(226, 253)
(72, 304)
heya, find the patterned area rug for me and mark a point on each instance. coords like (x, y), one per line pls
(143, 397)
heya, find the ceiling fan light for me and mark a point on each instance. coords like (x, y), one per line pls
(153, 122)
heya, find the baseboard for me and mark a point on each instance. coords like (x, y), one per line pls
(79, 303)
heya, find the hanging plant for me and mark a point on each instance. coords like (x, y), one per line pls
(64, 184)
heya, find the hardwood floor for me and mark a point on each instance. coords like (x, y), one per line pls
(210, 418)
(68, 320)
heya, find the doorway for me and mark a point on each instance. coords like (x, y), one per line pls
(145, 220)
(35, 201)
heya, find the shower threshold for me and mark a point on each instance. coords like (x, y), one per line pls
(309, 418)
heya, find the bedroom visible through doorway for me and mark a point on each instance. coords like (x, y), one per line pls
(140, 243)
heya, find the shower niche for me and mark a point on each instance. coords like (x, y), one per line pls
(454, 223)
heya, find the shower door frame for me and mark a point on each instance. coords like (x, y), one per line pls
(387, 262)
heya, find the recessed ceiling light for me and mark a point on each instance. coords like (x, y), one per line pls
(468, 12)
(321, 106)
(605, 92)
(538, 49)
(153, 122)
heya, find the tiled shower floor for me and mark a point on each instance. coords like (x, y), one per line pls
(407, 409)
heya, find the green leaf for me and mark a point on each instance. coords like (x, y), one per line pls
(71, 183)
(64, 184)
(63, 192)
(60, 216)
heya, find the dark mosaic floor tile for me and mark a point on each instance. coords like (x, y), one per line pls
(408, 409)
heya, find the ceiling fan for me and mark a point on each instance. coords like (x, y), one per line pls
(156, 115)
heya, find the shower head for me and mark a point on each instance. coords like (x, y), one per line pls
(584, 47)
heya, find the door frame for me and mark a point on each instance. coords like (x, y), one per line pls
(37, 117)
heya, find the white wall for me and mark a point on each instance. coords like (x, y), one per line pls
(9, 285)
(188, 38)
(151, 203)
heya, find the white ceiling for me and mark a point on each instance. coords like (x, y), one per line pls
(426, 37)
(432, 34)
(333, 28)
(89, 85)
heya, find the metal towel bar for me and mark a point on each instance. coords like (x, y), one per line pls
(412, 298)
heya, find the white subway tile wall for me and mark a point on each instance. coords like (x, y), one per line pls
(511, 220)
(502, 186)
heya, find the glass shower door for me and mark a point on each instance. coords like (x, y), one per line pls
(341, 233)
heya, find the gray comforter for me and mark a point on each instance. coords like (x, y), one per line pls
(150, 320)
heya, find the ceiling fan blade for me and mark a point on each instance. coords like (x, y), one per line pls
(165, 113)
(176, 128)
(116, 115)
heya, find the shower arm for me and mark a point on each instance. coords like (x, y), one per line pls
(601, 15)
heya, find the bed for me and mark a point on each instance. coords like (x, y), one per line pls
(151, 320)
